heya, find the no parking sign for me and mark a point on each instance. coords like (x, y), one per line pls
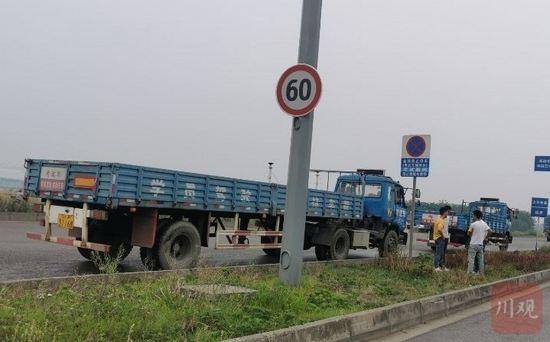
(415, 156)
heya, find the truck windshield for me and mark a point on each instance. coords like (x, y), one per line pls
(489, 210)
(373, 190)
(349, 188)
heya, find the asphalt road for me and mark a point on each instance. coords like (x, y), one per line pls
(22, 258)
(480, 324)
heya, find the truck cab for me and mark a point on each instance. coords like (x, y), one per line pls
(384, 208)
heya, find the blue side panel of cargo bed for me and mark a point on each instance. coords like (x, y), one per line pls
(137, 186)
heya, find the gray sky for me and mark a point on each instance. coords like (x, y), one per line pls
(190, 85)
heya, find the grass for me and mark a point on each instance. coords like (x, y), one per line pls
(155, 310)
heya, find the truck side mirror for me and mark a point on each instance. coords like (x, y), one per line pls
(417, 193)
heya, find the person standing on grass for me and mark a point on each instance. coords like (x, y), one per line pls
(478, 232)
(439, 226)
(446, 234)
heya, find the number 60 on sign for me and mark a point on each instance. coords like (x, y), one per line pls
(299, 90)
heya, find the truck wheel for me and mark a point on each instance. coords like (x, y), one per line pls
(178, 246)
(85, 252)
(100, 235)
(548, 238)
(389, 244)
(322, 252)
(503, 248)
(270, 251)
(339, 248)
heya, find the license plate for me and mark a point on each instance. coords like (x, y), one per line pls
(65, 221)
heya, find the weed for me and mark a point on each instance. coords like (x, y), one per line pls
(105, 263)
(154, 310)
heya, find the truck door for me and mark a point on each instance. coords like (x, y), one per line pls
(400, 211)
(390, 204)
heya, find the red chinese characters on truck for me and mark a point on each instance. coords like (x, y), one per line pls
(52, 179)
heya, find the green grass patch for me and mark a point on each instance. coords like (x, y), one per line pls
(155, 309)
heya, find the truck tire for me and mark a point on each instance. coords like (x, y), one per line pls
(389, 243)
(548, 238)
(177, 246)
(97, 233)
(322, 252)
(270, 251)
(85, 252)
(503, 248)
(338, 249)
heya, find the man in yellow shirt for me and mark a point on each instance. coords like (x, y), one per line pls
(438, 230)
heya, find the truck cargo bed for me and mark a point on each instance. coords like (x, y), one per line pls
(115, 185)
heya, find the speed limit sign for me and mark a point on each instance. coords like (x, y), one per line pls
(299, 90)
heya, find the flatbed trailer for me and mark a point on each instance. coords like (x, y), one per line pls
(112, 207)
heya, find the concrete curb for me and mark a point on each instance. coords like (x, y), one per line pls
(380, 322)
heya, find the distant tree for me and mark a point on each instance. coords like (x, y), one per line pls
(524, 222)
(458, 208)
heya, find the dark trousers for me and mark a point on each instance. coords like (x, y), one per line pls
(445, 250)
(439, 257)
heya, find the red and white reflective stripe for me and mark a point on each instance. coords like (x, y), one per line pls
(69, 242)
(79, 196)
(246, 208)
(251, 233)
(219, 206)
(248, 246)
(187, 204)
(126, 200)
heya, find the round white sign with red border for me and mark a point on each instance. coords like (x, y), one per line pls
(299, 90)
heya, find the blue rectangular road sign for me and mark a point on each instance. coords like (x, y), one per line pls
(539, 207)
(542, 163)
(415, 167)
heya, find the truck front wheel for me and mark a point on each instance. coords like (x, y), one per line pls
(178, 246)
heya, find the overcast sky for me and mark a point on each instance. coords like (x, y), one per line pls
(190, 85)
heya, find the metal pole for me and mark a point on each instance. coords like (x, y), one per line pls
(537, 235)
(292, 247)
(413, 208)
(270, 172)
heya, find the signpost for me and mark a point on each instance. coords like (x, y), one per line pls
(298, 92)
(415, 162)
(539, 208)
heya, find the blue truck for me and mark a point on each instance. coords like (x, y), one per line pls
(496, 214)
(498, 217)
(112, 207)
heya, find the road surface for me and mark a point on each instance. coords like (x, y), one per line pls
(22, 258)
